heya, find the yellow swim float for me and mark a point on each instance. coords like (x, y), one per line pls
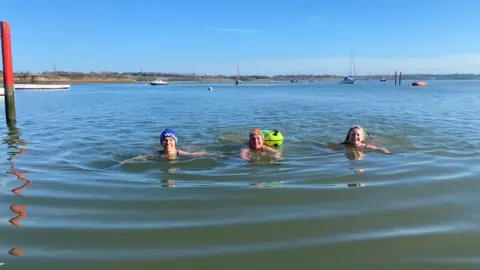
(273, 138)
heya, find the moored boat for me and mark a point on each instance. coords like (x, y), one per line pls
(159, 82)
(348, 80)
(351, 78)
(42, 86)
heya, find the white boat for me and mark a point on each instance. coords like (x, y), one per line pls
(352, 74)
(272, 81)
(348, 80)
(37, 87)
(41, 86)
(159, 82)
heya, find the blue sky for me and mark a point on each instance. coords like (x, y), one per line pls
(269, 37)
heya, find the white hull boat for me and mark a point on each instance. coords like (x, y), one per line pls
(159, 82)
(348, 80)
(42, 86)
(37, 87)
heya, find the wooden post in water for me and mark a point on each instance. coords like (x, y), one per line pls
(395, 78)
(8, 81)
(400, 78)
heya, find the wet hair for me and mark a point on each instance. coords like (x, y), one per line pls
(347, 138)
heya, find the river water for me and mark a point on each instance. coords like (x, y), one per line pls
(67, 203)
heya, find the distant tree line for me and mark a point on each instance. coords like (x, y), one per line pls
(145, 76)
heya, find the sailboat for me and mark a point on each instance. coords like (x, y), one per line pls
(237, 81)
(351, 78)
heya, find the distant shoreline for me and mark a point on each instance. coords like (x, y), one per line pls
(148, 82)
(131, 81)
(73, 82)
(62, 77)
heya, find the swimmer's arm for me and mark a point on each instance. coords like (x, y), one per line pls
(336, 146)
(383, 150)
(244, 152)
(216, 155)
(278, 153)
(142, 157)
(270, 149)
(192, 154)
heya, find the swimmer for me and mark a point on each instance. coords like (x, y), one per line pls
(256, 145)
(168, 139)
(356, 139)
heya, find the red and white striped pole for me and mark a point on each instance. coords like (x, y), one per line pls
(8, 81)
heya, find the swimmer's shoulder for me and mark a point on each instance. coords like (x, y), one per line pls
(269, 149)
(375, 148)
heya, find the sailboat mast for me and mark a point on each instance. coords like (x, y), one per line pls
(353, 63)
(237, 81)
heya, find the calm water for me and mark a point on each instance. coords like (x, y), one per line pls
(418, 208)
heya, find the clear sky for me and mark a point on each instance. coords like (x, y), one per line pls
(266, 37)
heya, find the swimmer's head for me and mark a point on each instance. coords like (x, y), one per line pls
(256, 138)
(355, 135)
(168, 138)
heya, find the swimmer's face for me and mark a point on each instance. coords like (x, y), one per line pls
(356, 136)
(256, 141)
(168, 143)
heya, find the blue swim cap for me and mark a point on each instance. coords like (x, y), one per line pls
(168, 133)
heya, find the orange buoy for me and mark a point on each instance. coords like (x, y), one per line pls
(419, 84)
(16, 252)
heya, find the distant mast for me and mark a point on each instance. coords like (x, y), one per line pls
(237, 81)
(352, 63)
(352, 73)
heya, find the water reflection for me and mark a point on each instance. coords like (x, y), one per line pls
(278, 184)
(355, 185)
(13, 141)
(169, 183)
(21, 210)
(16, 252)
(354, 154)
(20, 176)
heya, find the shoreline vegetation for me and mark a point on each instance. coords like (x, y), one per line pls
(63, 77)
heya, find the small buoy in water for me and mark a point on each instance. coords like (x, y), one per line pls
(264, 85)
(16, 252)
(418, 84)
(355, 185)
(210, 88)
